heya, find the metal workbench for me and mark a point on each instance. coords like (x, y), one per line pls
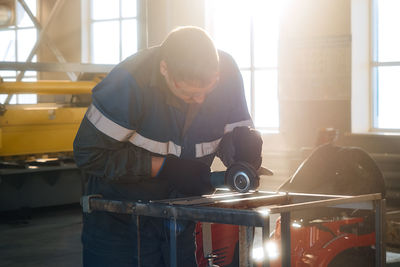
(248, 210)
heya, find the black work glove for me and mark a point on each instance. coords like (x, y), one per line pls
(188, 177)
(243, 144)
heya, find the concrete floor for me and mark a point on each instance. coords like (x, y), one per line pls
(41, 237)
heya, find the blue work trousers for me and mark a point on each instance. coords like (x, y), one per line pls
(111, 239)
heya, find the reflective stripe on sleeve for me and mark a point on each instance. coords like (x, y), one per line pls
(107, 126)
(208, 148)
(229, 127)
(120, 133)
(205, 149)
(162, 148)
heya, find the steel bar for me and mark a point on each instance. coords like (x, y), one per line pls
(56, 67)
(202, 214)
(245, 240)
(325, 203)
(265, 237)
(380, 255)
(286, 239)
(216, 214)
(47, 87)
(115, 206)
(205, 214)
(238, 201)
(206, 199)
(252, 202)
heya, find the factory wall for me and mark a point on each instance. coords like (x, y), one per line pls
(314, 69)
(165, 15)
(314, 66)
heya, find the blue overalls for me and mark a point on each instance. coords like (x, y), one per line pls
(133, 117)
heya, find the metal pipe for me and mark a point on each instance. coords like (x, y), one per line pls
(285, 239)
(47, 87)
(380, 255)
(56, 67)
(252, 202)
(325, 203)
(265, 237)
(245, 240)
(202, 214)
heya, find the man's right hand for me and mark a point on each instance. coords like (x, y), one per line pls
(243, 144)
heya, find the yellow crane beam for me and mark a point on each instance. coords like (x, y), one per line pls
(44, 127)
(47, 87)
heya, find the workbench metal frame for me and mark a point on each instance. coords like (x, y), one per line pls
(220, 208)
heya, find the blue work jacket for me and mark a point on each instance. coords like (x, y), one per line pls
(134, 116)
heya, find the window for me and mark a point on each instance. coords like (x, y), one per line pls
(112, 29)
(249, 31)
(16, 43)
(385, 65)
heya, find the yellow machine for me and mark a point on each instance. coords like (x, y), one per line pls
(36, 164)
(37, 130)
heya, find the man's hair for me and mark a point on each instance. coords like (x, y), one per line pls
(190, 55)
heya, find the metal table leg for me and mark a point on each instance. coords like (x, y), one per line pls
(265, 237)
(380, 255)
(286, 242)
(245, 244)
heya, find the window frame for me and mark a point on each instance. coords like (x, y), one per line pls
(87, 34)
(15, 28)
(252, 68)
(375, 65)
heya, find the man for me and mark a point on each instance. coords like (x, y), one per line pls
(152, 131)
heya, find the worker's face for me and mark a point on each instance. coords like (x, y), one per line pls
(188, 92)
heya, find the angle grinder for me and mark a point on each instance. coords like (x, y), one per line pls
(242, 176)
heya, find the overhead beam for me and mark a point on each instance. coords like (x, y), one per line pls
(55, 67)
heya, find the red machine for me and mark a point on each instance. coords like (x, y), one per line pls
(345, 242)
(322, 237)
(225, 244)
